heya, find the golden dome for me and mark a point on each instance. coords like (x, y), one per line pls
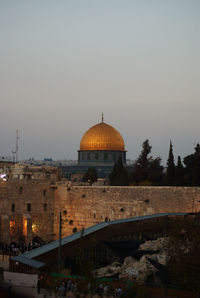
(102, 136)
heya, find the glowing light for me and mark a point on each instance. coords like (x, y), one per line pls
(3, 177)
(12, 224)
(25, 227)
(34, 227)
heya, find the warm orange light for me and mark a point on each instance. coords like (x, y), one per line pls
(25, 227)
(34, 228)
(12, 224)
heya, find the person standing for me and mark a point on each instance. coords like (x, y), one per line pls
(9, 286)
(38, 286)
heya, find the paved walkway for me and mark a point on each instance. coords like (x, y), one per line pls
(32, 293)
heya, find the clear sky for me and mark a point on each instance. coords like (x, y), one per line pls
(64, 62)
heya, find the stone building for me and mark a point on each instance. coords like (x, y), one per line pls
(26, 210)
(15, 171)
(27, 202)
(5, 169)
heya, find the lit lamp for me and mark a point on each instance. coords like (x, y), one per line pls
(3, 177)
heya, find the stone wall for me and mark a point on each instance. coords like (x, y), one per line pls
(16, 217)
(83, 206)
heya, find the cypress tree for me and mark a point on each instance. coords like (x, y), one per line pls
(170, 167)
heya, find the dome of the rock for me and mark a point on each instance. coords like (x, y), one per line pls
(102, 136)
(101, 146)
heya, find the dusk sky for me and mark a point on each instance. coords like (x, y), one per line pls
(64, 62)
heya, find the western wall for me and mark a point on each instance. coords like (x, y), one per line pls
(31, 208)
(83, 206)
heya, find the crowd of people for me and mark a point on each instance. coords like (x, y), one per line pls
(101, 289)
(16, 249)
(65, 287)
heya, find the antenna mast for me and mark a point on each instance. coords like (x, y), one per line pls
(16, 146)
(102, 116)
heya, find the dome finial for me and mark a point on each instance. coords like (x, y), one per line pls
(102, 117)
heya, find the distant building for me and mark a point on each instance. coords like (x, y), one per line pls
(49, 162)
(5, 169)
(16, 171)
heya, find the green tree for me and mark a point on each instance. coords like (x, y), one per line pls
(155, 171)
(192, 167)
(170, 167)
(147, 170)
(90, 176)
(143, 159)
(179, 173)
(141, 170)
(119, 175)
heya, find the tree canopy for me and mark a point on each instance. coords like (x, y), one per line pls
(179, 173)
(118, 175)
(147, 170)
(192, 167)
